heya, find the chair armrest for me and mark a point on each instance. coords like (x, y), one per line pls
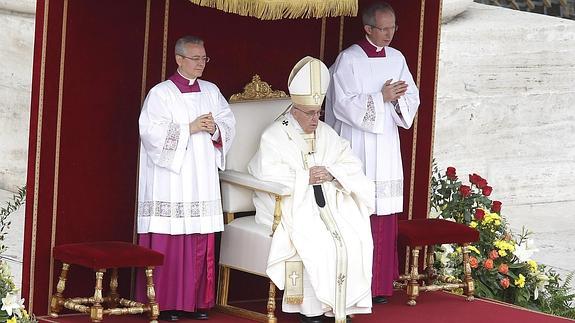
(249, 181)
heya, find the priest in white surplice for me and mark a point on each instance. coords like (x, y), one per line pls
(372, 94)
(330, 246)
(186, 128)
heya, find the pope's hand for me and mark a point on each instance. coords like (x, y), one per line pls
(318, 175)
(205, 122)
(393, 91)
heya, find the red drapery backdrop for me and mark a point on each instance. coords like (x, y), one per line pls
(95, 60)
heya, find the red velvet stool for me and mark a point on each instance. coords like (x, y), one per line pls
(101, 256)
(430, 232)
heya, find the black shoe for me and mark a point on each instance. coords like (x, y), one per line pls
(379, 300)
(198, 315)
(310, 319)
(169, 316)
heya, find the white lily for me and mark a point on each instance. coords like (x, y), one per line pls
(12, 305)
(525, 250)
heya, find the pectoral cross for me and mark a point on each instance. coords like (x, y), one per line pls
(316, 97)
(293, 277)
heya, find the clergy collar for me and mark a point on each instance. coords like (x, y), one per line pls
(370, 49)
(185, 85)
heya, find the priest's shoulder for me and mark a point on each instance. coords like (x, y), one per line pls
(207, 85)
(390, 52)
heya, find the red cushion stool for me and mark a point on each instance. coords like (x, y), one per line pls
(430, 232)
(101, 256)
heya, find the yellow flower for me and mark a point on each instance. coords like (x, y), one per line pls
(532, 265)
(25, 314)
(472, 248)
(12, 320)
(502, 253)
(520, 282)
(473, 224)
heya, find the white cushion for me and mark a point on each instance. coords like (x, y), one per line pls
(245, 245)
(252, 118)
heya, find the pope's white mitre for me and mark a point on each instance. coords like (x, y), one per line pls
(308, 81)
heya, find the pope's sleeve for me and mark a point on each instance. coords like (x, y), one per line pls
(365, 111)
(348, 171)
(164, 140)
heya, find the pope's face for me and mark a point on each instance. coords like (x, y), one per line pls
(381, 34)
(192, 62)
(307, 116)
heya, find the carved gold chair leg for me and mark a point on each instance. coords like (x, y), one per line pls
(469, 288)
(96, 310)
(113, 295)
(272, 303)
(413, 285)
(430, 273)
(151, 293)
(223, 286)
(58, 298)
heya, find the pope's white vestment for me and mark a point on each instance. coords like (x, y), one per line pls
(302, 234)
(356, 110)
(179, 190)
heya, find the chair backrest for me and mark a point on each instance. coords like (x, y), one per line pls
(252, 118)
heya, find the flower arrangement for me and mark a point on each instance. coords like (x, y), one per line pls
(500, 261)
(12, 310)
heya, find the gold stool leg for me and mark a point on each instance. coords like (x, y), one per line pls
(272, 303)
(151, 293)
(469, 288)
(57, 299)
(97, 311)
(430, 272)
(113, 295)
(413, 285)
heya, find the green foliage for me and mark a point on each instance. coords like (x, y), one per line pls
(13, 309)
(501, 262)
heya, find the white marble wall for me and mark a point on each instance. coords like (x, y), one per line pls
(505, 109)
(16, 39)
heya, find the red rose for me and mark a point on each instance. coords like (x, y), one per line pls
(488, 264)
(451, 173)
(504, 269)
(473, 178)
(479, 214)
(481, 182)
(496, 206)
(473, 262)
(465, 190)
(504, 282)
(493, 254)
(487, 190)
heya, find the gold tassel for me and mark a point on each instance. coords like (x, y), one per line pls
(294, 300)
(279, 9)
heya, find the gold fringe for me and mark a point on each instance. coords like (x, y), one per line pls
(279, 9)
(294, 300)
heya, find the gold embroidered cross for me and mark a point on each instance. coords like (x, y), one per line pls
(316, 97)
(293, 277)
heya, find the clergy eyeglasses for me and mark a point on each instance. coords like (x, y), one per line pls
(386, 29)
(311, 114)
(197, 59)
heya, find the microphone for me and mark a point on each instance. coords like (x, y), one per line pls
(318, 194)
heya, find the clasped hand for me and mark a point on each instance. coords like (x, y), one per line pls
(393, 91)
(318, 175)
(205, 122)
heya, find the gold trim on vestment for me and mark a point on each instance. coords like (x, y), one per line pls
(56, 186)
(37, 157)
